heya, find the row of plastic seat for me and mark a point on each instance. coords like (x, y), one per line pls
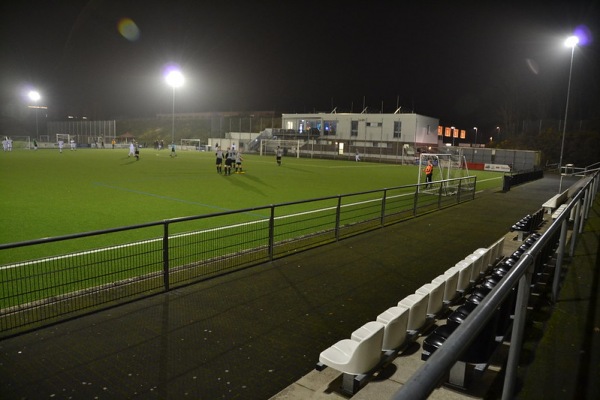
(372, 344)
(496, 328)
(528, 224)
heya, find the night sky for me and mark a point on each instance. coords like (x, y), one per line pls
(455, 60)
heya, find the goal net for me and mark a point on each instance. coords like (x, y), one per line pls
(21, 142)
(446, 167)
(190, 144)
(289, 146)
(65, 137)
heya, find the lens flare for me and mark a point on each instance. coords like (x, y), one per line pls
(533, 66)
(128, 29)
(583, 34)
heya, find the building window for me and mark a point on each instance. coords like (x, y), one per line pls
(330, 127)
(310, 126)
(354, 128)
(397, 129)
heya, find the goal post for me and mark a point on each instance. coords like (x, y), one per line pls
(289, 146)
(21, 142)
(446, 166)
(190, 144)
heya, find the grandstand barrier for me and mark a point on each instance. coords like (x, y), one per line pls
(42, 283)
(510, 294)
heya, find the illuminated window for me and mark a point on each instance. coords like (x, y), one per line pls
(354, 128)
(330, 127)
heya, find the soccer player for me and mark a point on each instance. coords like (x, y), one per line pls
(219, 155)
(173, 154)
(61, 144)
(131, 150)
(278, 154)
(229, 160)
(238, 163)
(73, 145)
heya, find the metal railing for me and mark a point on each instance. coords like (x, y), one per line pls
(49, 280)
(432, 373)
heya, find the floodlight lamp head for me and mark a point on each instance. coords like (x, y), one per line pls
(571, 41)
(175, 78)
(34, 95)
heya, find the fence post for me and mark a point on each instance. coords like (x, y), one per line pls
(577, 220)
(516, 336)
(459, 191)
(587, 205)
(338, 211)
(416, 200)
(166, 255)
(383, 207)
(271, 233)
(559, 259)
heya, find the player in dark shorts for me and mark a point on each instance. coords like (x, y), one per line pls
(219, 155)
(229, 160)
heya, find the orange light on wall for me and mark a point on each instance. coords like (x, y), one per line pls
(455, 133)
(463, 134)
(447, 132)
(440, 130)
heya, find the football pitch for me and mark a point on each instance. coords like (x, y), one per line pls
(46, 193)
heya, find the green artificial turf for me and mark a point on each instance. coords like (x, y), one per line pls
(46, 193)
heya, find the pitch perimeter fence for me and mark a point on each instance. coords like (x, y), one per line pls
(49, 280)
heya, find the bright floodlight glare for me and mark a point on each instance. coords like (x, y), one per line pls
(571, 41)
(174, 79)
(34, 96)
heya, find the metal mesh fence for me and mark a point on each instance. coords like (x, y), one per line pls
(48, 280)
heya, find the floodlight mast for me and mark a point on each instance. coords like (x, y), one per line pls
(174, 79)
(571, 42)
(35, 96)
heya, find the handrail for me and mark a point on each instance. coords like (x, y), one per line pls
(422, 383)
